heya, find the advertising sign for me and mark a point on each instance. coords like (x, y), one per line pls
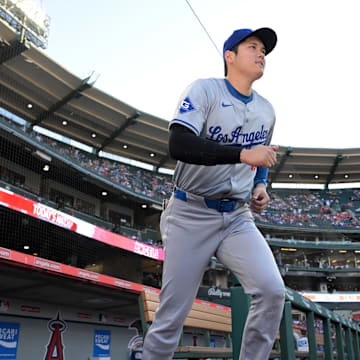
(303, 344)
(43, 212)
(9, 336)
(102, 343)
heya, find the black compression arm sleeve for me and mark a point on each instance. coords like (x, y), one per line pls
(185, 146)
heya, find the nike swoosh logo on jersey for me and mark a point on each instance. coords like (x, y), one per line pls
(226, 105)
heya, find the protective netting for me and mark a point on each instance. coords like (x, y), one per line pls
(53, 197)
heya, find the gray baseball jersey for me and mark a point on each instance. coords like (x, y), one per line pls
(213, 109)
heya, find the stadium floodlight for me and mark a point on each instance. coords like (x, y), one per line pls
(288, 249)
(42, 156)
(297, 186)
(31, 10)
(349, 185)
(166, 171)
(156, 207)
(27, 19)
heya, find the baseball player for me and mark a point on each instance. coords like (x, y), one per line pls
(221, 136)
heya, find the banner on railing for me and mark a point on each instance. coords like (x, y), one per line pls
(43, 212)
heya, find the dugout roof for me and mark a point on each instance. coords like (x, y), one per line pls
(35, 287)
(28, 76)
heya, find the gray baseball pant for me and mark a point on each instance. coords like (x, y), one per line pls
(192, 233)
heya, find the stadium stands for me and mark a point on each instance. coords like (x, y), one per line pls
(307, 208)
(313, 208)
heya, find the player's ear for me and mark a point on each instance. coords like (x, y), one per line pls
(229, 56)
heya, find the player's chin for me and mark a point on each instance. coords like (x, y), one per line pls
(258, 74)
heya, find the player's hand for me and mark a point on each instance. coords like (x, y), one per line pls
(261, 155)
(260, 199)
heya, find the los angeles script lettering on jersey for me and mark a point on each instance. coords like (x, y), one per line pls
(236, 136)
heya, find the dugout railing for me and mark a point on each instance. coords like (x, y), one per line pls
(340, 336)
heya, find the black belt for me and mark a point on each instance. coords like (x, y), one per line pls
(223, 205)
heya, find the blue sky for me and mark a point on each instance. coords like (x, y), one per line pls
(147, 52)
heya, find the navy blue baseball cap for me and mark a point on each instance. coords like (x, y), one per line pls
(266, 35)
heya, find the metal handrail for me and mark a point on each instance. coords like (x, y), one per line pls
(240, 304)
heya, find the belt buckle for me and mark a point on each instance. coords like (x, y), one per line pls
(225, 205)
